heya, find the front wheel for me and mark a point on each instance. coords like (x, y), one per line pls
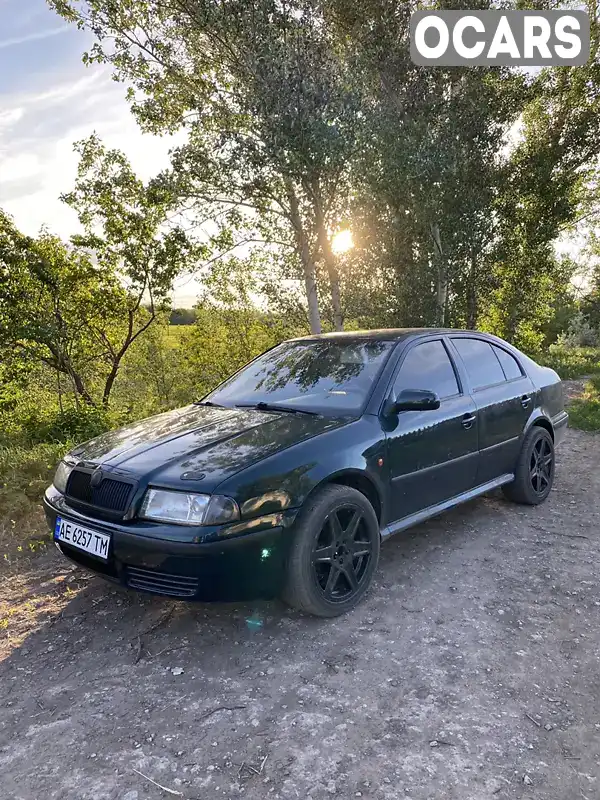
(335, 552)
(534, 473)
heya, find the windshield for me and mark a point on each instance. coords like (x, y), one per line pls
(319, 375)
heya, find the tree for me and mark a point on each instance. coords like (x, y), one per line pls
(182, 316)
(546, 181)
(79, 309)
(269, 104)
(124, 228)
(57, 307)
(422, 210)
(302, 115)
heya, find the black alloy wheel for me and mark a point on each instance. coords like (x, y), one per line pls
(534, 471)
(341, 553)
(541, 466)
(335, 552)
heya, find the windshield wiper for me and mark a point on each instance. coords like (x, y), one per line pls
(262, 406)
(209, 403)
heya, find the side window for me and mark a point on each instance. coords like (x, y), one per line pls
(482, 365)
(427, 366)
(509, 363)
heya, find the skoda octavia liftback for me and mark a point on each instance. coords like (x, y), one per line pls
(285, 480)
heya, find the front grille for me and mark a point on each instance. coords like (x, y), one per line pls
(112, 495)
(148, 580)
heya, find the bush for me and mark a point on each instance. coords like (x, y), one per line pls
(71, 424)
(580, 333)
(571, 362)
(25, 472)
(584, 413)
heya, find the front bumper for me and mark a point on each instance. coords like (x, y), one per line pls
(244, 567)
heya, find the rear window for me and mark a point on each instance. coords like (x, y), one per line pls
(480, 361)
(509, 363)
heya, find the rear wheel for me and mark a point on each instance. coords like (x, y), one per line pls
(335, 552)
(534, 473)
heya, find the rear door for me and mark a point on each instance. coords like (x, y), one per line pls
(432, 455)
(504, 398)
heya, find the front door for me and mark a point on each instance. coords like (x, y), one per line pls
(432, 455)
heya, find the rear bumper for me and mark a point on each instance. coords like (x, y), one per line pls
(246, 567)
(559, 424)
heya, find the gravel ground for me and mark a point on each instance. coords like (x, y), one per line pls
(470, 671)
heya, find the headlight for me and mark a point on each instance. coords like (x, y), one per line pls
(61, 476)
(188, 509)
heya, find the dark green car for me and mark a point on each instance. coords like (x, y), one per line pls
(285, 479)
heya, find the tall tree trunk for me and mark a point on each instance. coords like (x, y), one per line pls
(80, 387)
(62, 363)
(442, 276)
(310, 286)
(472, 293)
(330, 262)
(334, 279)
(308, 264)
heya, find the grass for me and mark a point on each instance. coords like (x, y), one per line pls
(25, 472)
(571, 362)
(584, 412)
(577, 362)
(175, 333)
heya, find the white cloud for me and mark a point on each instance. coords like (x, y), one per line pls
(8, 118)
(37, 131)
(37, 162)
(22, 166)
(34, 36)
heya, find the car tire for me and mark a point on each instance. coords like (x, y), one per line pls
(330, 567)
(534, 473)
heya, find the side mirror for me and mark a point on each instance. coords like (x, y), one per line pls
(415, 400)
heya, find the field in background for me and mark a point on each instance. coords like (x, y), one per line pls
(175, 333)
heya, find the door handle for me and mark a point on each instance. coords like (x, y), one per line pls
(525, 400)
(468, 420)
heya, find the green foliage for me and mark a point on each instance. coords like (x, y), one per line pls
(57, 307)
(571, 362)
(584, 412)
(72, 424)
(230, 328)
(580, 333)
(123, 222)
(79, 309)
(25, 472)
(156, 373)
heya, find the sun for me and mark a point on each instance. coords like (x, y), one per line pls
(342, 242)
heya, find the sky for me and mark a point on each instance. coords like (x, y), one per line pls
(50, 99)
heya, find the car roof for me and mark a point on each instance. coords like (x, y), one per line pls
(381, 334)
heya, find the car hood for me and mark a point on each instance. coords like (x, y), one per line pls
(199, 446)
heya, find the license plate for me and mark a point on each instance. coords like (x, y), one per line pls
(92, 542)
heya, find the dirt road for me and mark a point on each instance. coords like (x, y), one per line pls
(471, 671)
